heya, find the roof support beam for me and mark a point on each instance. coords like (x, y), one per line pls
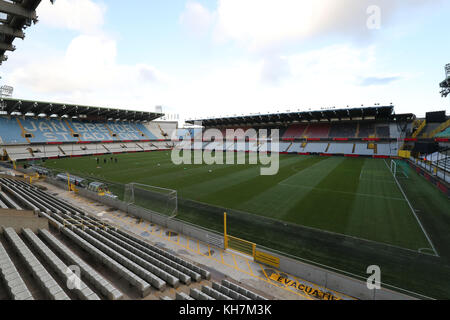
(95, 110)
(7, 46)
(9, 31)
(30, 106)
(17, 10)
(14, 107)
(44, 109)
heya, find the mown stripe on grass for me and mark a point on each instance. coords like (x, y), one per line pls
(242, 173)
(318, 210)
(235, 195)
(278, 200)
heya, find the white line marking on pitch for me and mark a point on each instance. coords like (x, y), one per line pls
(344, 192)
(412, 210)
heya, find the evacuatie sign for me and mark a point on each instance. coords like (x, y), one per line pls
(316, 293)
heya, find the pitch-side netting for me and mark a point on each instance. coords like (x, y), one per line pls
(160, 200)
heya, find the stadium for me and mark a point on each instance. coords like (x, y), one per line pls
(92, 196)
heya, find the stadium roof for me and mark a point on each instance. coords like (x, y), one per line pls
(23, 107)
(377, 112)
(16, 15)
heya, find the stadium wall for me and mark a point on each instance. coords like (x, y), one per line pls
(443, 187)
(330, 280)
(334, 281)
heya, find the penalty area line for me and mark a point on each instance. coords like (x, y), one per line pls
(413, 211)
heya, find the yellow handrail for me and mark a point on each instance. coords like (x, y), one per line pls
(441, 128)
(417, 132)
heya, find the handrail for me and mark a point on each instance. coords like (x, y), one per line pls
(419, 129)
(439, 129)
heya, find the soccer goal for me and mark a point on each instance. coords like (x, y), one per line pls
(399, 169)
(156, 199)
(394, 168)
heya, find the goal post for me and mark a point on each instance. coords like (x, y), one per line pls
(394, 168)
(160, 200)
(399, 169)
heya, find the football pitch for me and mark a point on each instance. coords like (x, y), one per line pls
(354, 197)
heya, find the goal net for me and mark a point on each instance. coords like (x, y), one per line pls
(399, 169)
(156, 199)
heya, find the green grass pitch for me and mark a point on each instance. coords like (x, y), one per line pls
(357, 197)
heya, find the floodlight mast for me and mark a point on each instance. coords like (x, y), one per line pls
(445, 85)
(6, 91)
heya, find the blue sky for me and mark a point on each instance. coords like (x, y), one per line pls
(223, 57)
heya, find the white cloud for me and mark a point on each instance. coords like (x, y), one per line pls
(89, 67)
(87, 71)
(196, 18)
(240, 87)
(78, 15)
(263, 24)
(275, 69)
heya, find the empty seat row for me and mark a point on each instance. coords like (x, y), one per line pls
(198, 295)
(204, 273)
(12, 279)
(42, 199)
(13, 203)
(182, 296)
(184, 274)
(34, 201)
(78, 221)
(154, 275)
(63, 271)
(44, 151)
(143, 287)
(99, 282)
(149, 259)
(45, 280)
(130, 265)
(243, 291)
(61, 204)
(52, 204)
(229, 292)
(55, 204)
(51, 220)
(7, 202)
(23, 198)
(73, 221)
(214, 293)
(3, 205)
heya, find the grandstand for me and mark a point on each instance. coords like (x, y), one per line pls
(43, 130)
(371, 131)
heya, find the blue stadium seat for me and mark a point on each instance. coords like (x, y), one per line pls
(444, 134)
(47, 130)
(10, 131)
(62, 130)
